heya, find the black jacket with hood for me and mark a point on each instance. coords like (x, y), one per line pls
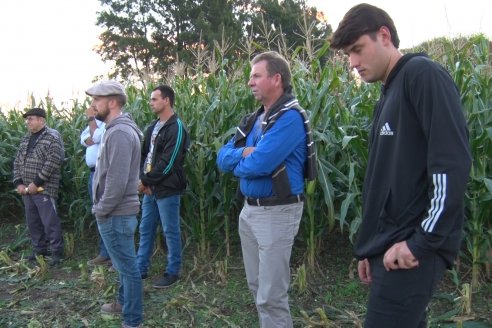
(167, 176)
(419, 162)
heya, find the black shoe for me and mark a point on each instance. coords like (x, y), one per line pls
(144, 276)
(55, 260)
(166, 281)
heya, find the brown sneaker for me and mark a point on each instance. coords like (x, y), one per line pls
(112, 308)
(98, 260)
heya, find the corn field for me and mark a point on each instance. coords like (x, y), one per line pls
(211, 98)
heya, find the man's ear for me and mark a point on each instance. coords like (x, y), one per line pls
(278, 79)
(112, 102)
(385, 34)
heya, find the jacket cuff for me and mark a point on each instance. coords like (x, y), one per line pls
(414, 245)
(38, 181)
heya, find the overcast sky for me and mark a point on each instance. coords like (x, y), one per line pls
(47, 45)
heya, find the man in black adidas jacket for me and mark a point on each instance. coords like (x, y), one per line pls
(419, 162)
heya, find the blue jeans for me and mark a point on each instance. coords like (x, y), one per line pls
(118, 234)
(102, 249)
(165, 211)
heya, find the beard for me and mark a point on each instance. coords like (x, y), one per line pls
(101, 116)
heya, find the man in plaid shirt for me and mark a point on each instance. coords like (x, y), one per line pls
(37, 178)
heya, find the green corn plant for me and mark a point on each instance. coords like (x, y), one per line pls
(84, 272)
(69, 244)
(12, 129)
(211, 98)
(300, 279)
(473, 75)
(310, 242)
(42, 271)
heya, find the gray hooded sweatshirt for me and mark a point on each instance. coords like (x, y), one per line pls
(117, 170)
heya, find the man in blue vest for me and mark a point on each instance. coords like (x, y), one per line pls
(269, 153)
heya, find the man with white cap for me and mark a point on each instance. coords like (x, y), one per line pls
(37, 178)
(115, 196)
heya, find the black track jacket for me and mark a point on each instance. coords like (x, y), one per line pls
(419, 163)
(167, 176)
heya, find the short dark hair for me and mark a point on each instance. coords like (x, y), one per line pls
(166, 91)
(359, 20)
(276, 64)
(120, 99)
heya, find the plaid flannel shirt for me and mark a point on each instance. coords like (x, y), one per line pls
(43, 161)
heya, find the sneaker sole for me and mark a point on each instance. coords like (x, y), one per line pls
(164, 287)
(113, 313)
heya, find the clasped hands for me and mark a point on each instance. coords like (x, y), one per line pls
(30, 189)
(396, 257)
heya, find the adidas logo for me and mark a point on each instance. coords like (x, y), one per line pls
(386, 130)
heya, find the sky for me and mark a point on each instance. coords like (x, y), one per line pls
(47, 45)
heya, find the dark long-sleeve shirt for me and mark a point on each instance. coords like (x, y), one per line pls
(419, 162)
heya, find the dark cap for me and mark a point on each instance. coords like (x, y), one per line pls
(107, 88)
(35, 112)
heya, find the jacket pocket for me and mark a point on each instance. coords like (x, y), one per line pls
(404, 217)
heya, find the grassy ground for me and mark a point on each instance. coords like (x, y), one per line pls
(211, 293)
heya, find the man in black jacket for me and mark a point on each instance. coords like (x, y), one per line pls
(418, 167)
(162, 180)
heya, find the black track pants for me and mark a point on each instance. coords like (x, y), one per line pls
(399, 298)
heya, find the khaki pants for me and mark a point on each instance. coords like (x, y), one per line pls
(267, 235)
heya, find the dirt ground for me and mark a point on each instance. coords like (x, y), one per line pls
(212, 291)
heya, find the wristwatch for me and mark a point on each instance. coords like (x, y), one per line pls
(90, 118)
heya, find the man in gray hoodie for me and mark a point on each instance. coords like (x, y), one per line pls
(115, 199)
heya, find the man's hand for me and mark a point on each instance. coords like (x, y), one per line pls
(143, 189)
(248, 150)
(364, 270)
(89, 111)
(89, 142)
(140, 186)
(399, 256)
(32, 189)
(21, 189)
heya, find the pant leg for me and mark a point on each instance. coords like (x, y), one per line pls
(118, 233)
(51, 222)
(35, 226)
(102, 248)
(147, 230)
(170, 220)
(399, 298)
(250, 251)
(274, 228)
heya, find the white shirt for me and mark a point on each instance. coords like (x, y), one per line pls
(92, 150)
